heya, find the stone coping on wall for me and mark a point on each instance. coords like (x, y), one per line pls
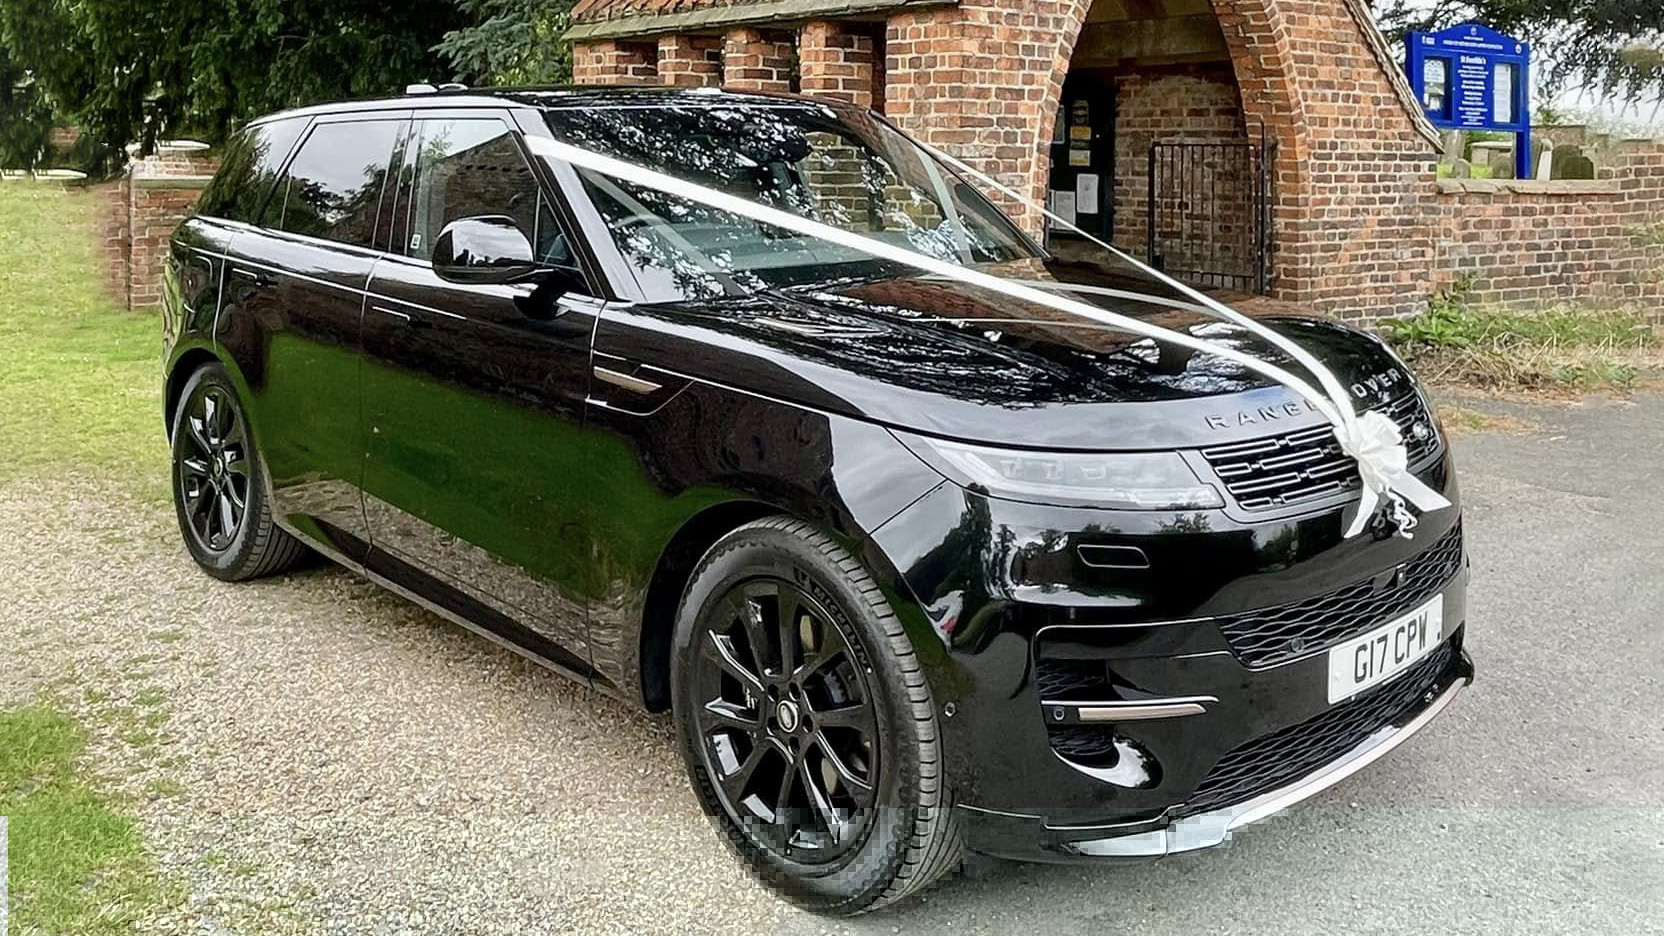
(171, 147)
(1529, 186)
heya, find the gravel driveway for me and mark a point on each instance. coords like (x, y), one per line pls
(315, 755)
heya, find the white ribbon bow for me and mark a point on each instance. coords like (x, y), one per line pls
(1384, 468)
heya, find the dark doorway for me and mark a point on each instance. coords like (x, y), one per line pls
(1081, 184)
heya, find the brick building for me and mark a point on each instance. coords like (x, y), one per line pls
(1285, 148)
(1289, 155)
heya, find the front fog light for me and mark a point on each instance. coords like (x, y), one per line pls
(1123, 480)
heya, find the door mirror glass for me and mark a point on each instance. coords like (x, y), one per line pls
(483, 249)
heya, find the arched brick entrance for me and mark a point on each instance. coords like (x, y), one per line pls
(983, 79)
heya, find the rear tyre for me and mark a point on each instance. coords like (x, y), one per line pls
(219, 485)
(806, 723)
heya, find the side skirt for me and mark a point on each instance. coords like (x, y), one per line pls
(389, 571)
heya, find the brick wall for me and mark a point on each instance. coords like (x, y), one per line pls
(143, 209)
(1354, 169)
(1528, 243)
(690, 61)
(1360, 229)
(758, 60)
(838, 60)
(981, 81)
(156, 210)
(64, 138)
(116, 234)
(615, 62)
(1193, 104)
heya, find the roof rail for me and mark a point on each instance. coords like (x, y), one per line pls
(419, 89)
(453, 86)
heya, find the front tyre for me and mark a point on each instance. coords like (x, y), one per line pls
(806, 722)
(219, 490)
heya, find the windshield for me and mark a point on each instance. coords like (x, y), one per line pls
(846, 170)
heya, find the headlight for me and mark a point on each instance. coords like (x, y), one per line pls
(1122, 480)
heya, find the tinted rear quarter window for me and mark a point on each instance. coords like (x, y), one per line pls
(333, 187)
(250, 166)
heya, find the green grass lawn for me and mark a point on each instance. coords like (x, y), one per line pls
(80, 385)
(77, 864)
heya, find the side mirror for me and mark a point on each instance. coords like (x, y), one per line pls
(483, 249)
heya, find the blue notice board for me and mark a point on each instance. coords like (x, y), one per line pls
(1470, 77)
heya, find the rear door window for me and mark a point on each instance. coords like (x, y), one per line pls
(333, 187)
(250, 166)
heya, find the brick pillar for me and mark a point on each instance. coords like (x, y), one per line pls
(837, 60)
(690, 61)
(161, 190)
(587, 63)
(754, 60)
(118, 235)
(981, 81)
(615, 63)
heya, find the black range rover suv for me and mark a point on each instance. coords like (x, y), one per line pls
(917, 567)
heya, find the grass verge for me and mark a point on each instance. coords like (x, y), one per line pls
(80, 384)
(1562, 349)
(1460, 420)
(77, 864)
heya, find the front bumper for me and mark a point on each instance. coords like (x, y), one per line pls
(1038, 655)
(1032, 838)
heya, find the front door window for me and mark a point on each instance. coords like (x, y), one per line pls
(470, 168)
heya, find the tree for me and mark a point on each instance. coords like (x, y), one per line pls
(129, 72)
(511, 42)
(25, 117)
(1614, 47)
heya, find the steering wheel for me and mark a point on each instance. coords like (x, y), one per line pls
(632, 221)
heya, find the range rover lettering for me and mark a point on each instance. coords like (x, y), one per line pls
(918, 569)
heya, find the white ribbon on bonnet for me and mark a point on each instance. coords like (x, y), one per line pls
(1373, 439)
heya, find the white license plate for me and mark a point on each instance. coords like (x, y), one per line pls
(1386, 651)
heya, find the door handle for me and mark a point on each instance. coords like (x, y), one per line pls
(259, 278)
(404, 319)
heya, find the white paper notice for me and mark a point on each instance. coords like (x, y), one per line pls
(1063, 205)
(1086, 193)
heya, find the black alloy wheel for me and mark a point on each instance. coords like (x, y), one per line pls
(214, 472)
(219, 484)
(787, 722)
(806, 722)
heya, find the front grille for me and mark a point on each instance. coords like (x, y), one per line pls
(1308, 464)
(1272, 635)
(1280, 758)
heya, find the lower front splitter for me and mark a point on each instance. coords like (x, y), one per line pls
(1003, 834)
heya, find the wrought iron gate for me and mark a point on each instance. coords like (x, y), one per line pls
(1209, 220)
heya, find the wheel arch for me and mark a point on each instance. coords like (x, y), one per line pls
(192, 359)
(186, 364)
(671, 573)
